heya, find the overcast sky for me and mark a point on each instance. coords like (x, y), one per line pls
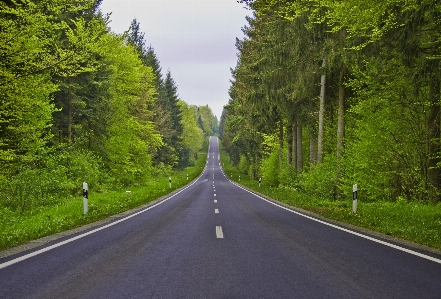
(194, 39)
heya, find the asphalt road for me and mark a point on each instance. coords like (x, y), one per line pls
(217, 240)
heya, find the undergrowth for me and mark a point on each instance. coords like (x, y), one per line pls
(418, 222)
(17, 227)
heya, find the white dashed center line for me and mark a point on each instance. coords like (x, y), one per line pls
(216, 211)
(215, 201)
(219, 233)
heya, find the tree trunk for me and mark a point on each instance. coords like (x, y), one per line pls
(340, 127)
(434, 134)
(321, 113)
(312, 148)
(299, 148)
(280, 144)
(289, 143)
(341, 114)
(69, 117)
(253, 168)
(294, 145)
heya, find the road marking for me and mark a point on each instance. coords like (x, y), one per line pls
(216, 211)
(214, 194)
(45, 249)
(427, 257)
(215, 201)
(219, 233)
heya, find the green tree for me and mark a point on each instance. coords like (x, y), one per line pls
(31, 56)
(192, 135)
(132, 139)
(391, 44)
(207, 121)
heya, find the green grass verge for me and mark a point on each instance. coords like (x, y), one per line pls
(16, 228)
(414, 221)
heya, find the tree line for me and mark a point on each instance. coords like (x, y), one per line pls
(81, 103)
(326, 94)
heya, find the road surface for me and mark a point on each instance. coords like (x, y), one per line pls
(214, 239)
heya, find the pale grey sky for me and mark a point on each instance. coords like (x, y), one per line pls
(194, 39)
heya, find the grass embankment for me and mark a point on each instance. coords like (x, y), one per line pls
(414, 221)
(17, 228)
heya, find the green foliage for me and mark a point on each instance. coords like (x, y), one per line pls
(132, 139)
(395, 219)
(321, 180)
(81, 166)
(207, 121)
(193, 137)
(244, 165)
(79, 103)
(270, 169)
(25, 119)
(222, 123)
(27, 56)
(35, 187)
(378, 74)
(65, 212)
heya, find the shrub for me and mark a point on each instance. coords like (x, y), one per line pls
(243, 164)
(83, 166)
(270, 169)
(320, 180)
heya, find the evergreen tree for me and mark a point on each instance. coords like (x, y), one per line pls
(136, 38)
(173, 152)
(222, 122)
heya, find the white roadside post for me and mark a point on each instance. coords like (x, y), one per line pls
(354, 198)
(187, 176)
(239, 178)
(169, 181)
(85, 198)
(260, 181)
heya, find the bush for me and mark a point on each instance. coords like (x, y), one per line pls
(52, 178)
(32, 188)
(84, 166)
(243, 164)
(270, 169)
(320, 180)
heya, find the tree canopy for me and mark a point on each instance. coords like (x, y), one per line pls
(80, 103)
(355, 85)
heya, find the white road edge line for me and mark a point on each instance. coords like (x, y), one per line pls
(219, 233)
(427, 257)
(32, 254)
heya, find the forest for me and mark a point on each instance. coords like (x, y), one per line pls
(81, 103)
(327, 94)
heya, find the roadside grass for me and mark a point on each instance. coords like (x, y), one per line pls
(17, 228)
(418, 222)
